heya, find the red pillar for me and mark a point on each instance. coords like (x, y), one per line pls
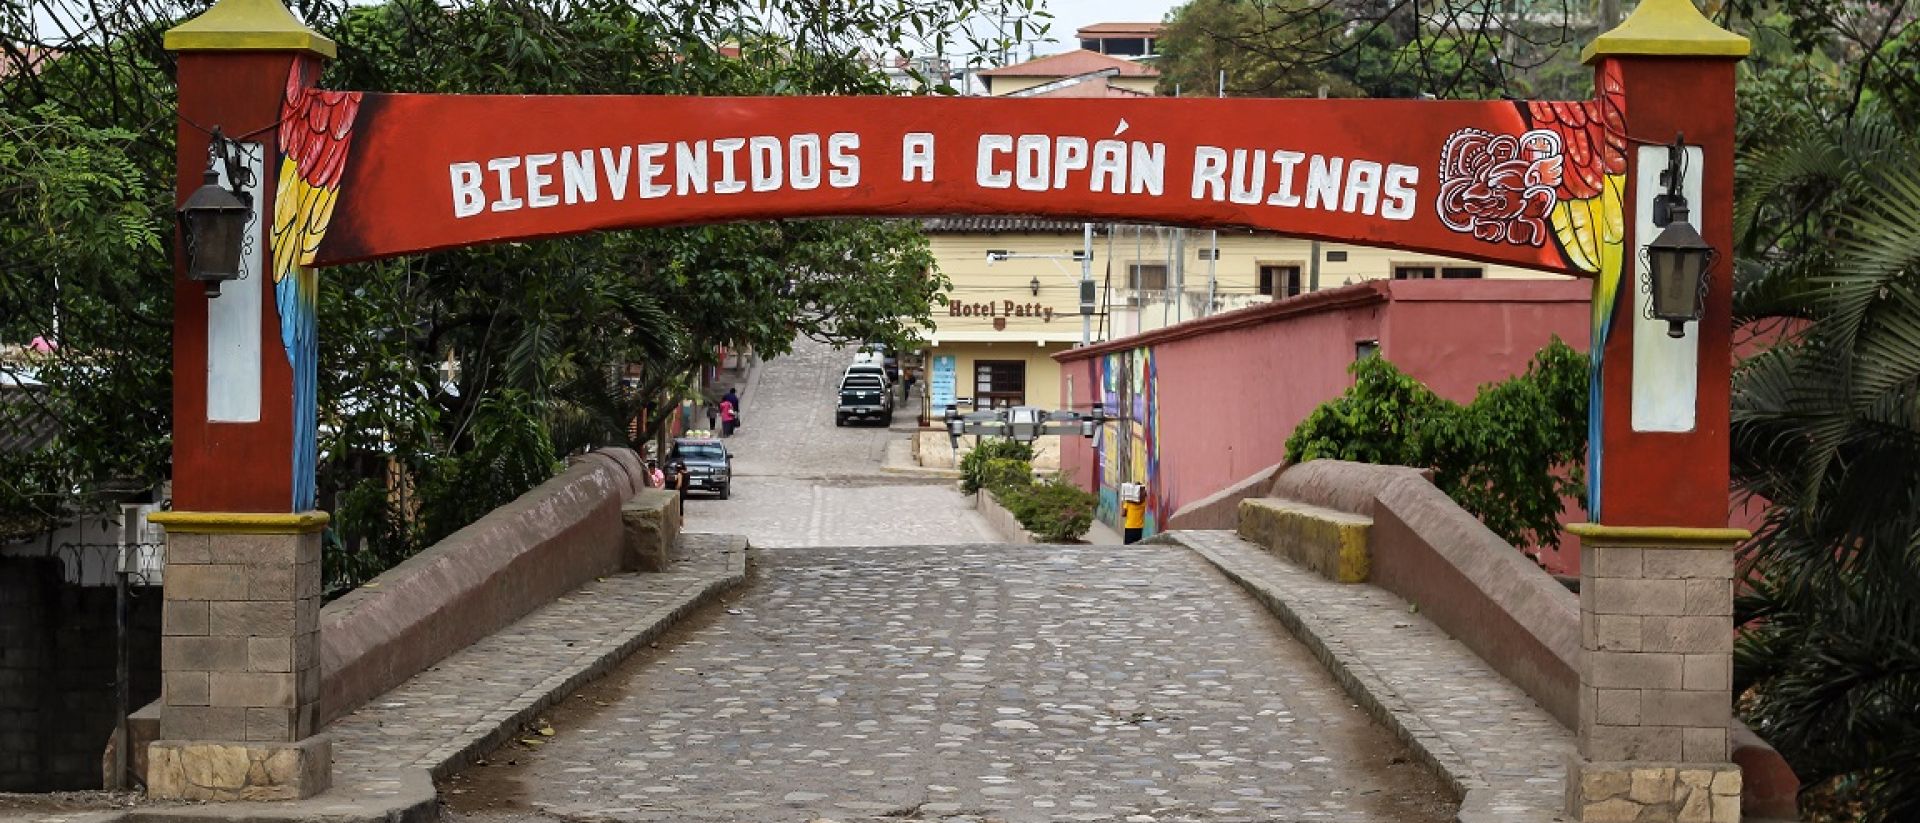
(235, 65)
(1653, 466)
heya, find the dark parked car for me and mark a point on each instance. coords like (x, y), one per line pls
(863, 396)
(709, 465)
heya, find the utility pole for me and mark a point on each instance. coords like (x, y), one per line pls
(1179, 272)
(1086, 285)
(1313, 266)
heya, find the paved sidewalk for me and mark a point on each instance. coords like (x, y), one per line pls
(387, 754)
(1498, 749)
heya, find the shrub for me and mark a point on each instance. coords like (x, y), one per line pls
(1003, 472)
(974, 462)
(1510, 457)
(1055, 511)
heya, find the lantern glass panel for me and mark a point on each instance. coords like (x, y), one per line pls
(215, 243)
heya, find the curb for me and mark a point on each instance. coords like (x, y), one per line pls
(418, 800)
(1479, 801)
(899, 460)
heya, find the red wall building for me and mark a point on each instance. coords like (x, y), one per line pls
(1209, 402)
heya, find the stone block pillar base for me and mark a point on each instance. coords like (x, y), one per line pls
(651, 523)
(220, 771)
(1645, 792)
(240, 659)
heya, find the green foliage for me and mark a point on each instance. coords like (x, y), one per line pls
(1055, 511)
(596, 337)
(1295, 48)
(973, 463)
(1511, 456)
(1005, 472)
(80, 235)
(1825, 428)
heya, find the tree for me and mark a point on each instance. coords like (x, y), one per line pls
(79, 224)
(439, 398)
(1824, 429)
(1372, 48)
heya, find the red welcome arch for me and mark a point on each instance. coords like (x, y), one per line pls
(1552, 186)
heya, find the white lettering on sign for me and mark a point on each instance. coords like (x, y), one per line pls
(576, 174)
(538, 181)
(651, 170)
(765, 161)
(468, 197)
(805, 172)
(841, 146)
(987, 175)
(504, 167)
(1069, 155)
(617, 167)
(916, 157)
(1332, 183)
(728, 182)
(1245, 176)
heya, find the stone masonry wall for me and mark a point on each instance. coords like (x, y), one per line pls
(57, 645)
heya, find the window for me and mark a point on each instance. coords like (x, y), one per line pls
(1432, 271)
(999, 383)
(1336, 257)
(1280, 279)
(1147, 276)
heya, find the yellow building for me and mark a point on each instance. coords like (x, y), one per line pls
(1015, 298)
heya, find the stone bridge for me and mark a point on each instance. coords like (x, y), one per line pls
(837, 642)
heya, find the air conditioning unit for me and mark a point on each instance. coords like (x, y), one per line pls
(1209, 254)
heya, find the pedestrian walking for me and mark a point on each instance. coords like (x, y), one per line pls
(677, 478)
(733, 397)
(728, 418)
(906, 383)
(713, 416)
(1133, 515)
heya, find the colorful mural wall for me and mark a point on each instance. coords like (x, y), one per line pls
(1128, 449)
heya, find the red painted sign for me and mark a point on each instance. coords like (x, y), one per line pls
(1492, 181)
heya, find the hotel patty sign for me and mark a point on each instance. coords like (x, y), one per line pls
(1478, 180)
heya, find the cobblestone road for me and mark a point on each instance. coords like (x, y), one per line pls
(799, 480)
(867, 673)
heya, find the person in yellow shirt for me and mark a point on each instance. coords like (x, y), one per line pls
(1133, 514)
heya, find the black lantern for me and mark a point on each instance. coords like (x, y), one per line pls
(213, 222)
(1677, 262)
(1678, 258)
(1035, 286)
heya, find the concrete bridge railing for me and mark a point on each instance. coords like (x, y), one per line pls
(1420, 545)
(515, 559)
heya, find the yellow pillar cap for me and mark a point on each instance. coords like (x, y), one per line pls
(1667, 28)
(248, 25)
(240, 522)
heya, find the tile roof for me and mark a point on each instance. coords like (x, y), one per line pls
(1072, 63)
(1004, 224)
(1142, 29)
(1093, 87)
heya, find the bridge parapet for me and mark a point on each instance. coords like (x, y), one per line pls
(1527, 626)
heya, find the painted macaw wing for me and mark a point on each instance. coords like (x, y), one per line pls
(316, 130)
